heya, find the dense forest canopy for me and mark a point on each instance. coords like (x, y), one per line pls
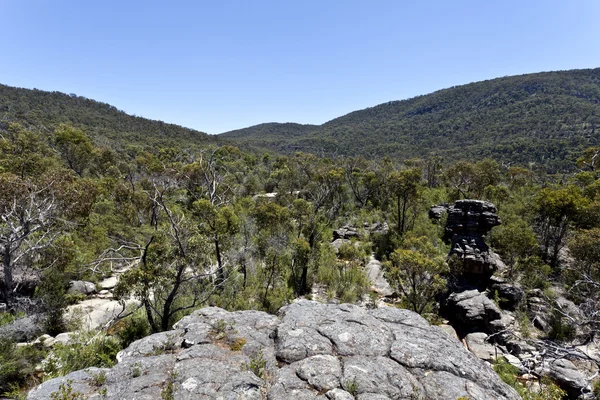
(44, 111)
(544, 119)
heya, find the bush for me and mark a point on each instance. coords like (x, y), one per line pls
(85, 350)
(560, 329)
(508, 373)
(17, 364)
(132, 328)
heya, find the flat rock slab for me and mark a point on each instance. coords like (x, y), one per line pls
(109, 283)
(96, 312)
(375, 273)
(309, 351)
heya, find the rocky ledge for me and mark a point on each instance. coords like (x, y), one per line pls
(310, 351)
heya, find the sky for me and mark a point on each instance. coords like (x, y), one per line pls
(219, 65)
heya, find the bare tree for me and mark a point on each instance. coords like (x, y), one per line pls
(28, 225)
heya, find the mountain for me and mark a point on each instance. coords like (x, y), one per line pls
(44, 110)
(545, 118)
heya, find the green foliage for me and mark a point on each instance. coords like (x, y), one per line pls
(86, 349)
(352, 386)
(65, 392)
(257, 364)
(17, 364)
(417, 271)
(168, 391)
(561, 329)
(514, 120)
(509, 373)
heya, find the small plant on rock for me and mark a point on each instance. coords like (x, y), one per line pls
(65, 392)
(257, 364)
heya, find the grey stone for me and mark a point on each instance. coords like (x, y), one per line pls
(63, 338)
(477, 344)
(510, 296)
(309, 351)
(81, 287)
(23, 329)
(375, 273)
(567, 376)
(109, 283)
(339, 394)
(475, 312)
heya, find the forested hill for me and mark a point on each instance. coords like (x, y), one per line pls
(544, 118)
(45, 110)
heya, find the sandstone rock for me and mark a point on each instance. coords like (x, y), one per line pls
(311, 351)
(63, 338)
(23, 329)
(468, 221)
(510, 296)
(81, 287)
(474, 312)
(477, 344)
(337, 243)
(346, 232)
(109, 283)
(566, 375)
(375, 273)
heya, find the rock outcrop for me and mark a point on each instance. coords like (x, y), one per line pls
(310, 351)
(468, 221)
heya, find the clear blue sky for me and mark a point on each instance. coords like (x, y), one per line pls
(217, 65)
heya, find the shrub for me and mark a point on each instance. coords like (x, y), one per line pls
(85, 350)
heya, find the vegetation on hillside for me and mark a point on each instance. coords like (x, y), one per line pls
(105, 124)
(536, 120)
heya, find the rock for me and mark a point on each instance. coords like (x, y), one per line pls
(63, 338)
(310, 351)
(109, 283)
(449, 330)
(468, 221)
(472, 311)
(95, 312)
(346, 232)
(477, 344)
(337, 243)
(510, 296)
(375, 273)
(23, 329)
(81, 287)
(566, 375)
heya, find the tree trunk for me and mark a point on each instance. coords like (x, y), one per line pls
(8, 277)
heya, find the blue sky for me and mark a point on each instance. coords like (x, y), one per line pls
(220, 65)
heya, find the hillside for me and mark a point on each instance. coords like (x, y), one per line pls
(43, 110)
(546, 118)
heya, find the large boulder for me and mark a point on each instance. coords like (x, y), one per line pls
(23, 329)
(82, 287)
(311, 351)
(510, 296)
(473, 311)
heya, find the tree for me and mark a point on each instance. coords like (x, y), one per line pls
(556, 211)
(416, 271)
(219, 224)
(404, 185)
(514, 240)
(585, 276)
(170, 273)
(75, 147)
(28, 225)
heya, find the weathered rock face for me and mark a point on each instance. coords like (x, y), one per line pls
(472, 311)
(311, 351)
(468, 221)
